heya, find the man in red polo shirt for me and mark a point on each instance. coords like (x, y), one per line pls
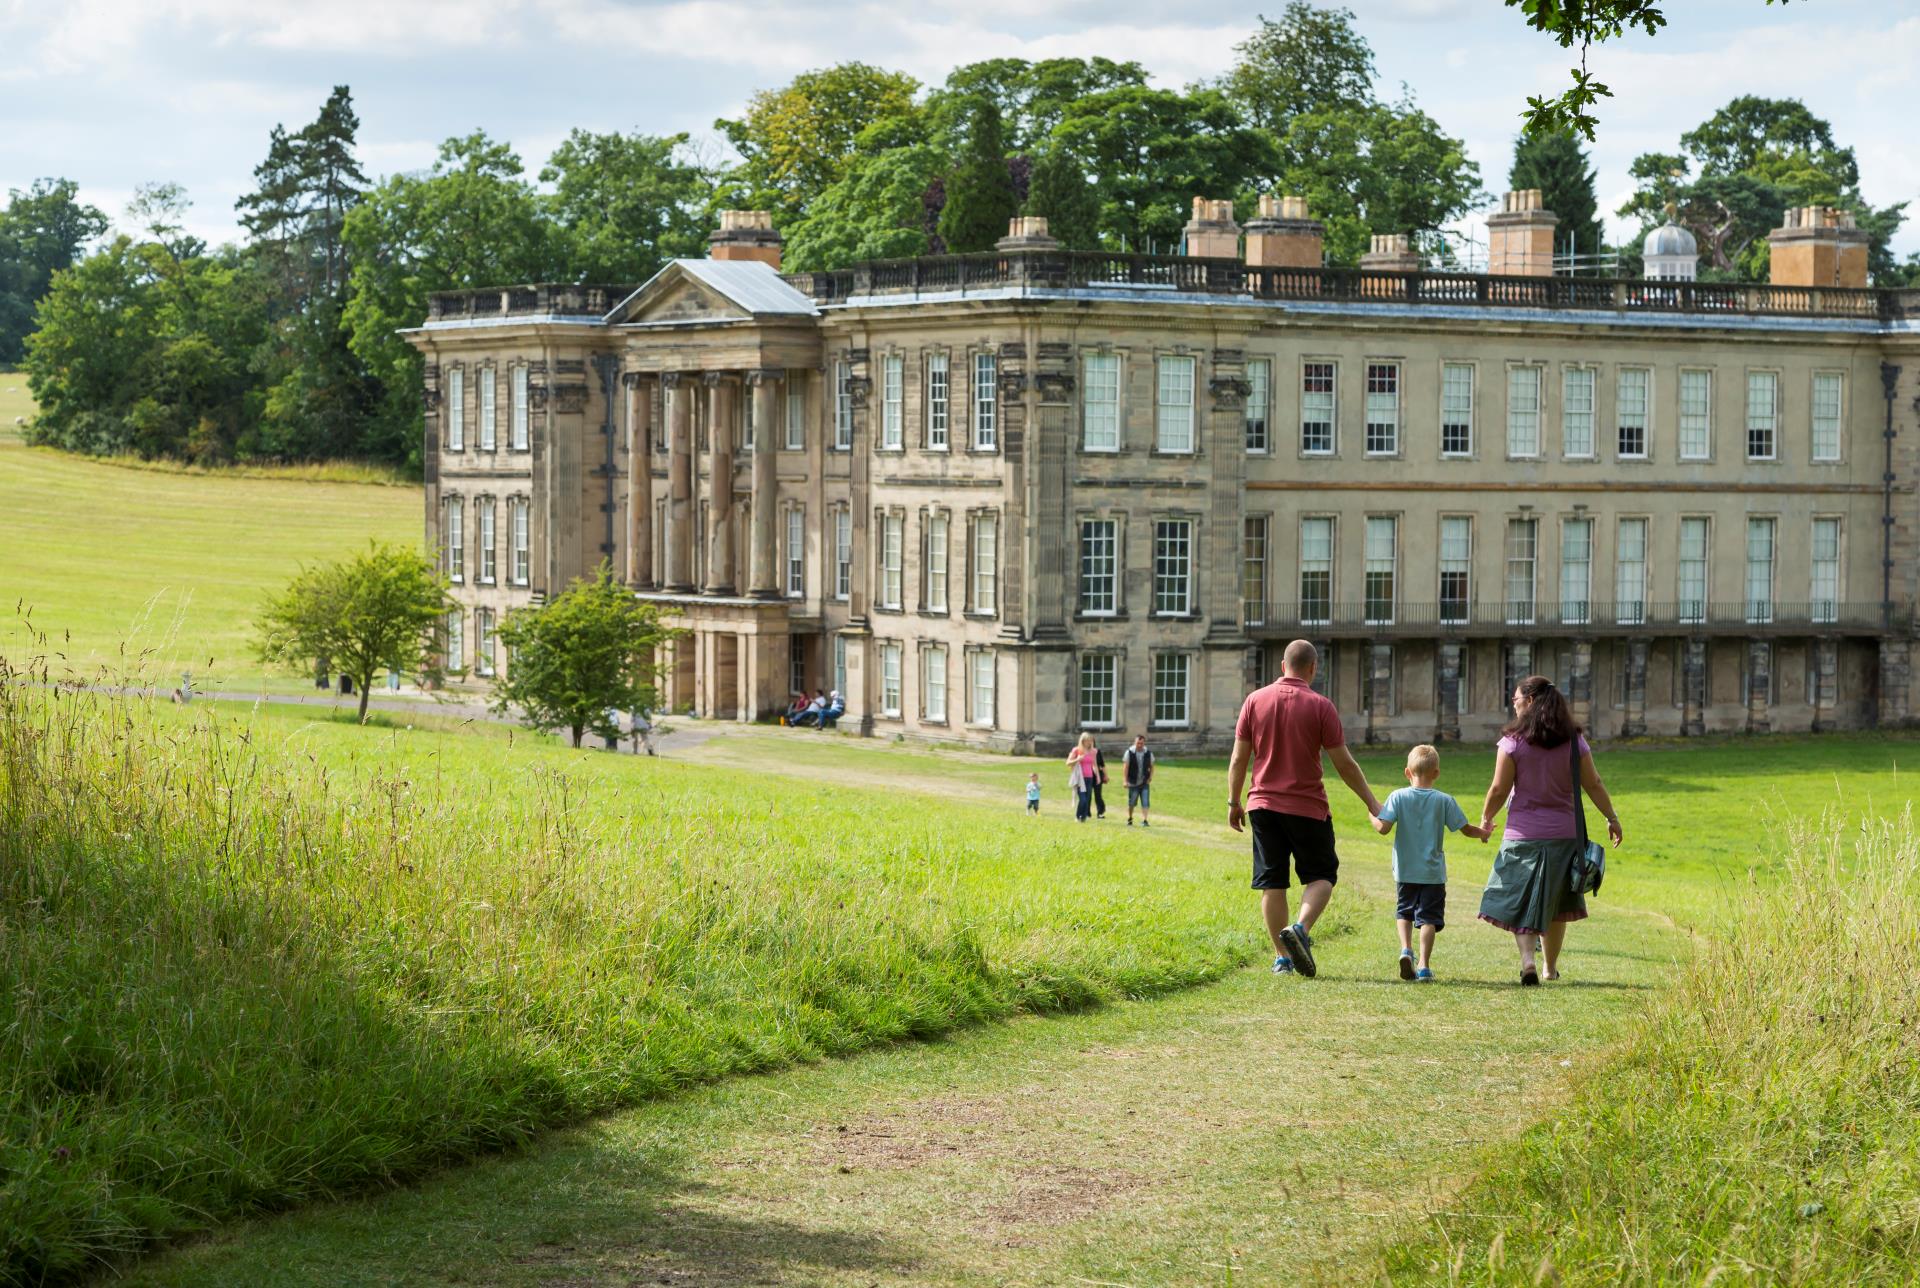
(1283, 729)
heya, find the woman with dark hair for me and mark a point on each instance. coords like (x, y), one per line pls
(1530, 891)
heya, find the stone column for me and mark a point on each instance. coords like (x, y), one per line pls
(1896, 670)
(1693, 686)
(722, 405)
(639, 481)
(1826, 682)
(1580, 682)
(763, 573)
(1379, 659)
(1634, 723)
(1759, 686)
(679, 535)
(1447, 662)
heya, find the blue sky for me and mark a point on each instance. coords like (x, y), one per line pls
(113, 93)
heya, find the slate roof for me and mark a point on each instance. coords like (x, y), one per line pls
(754, 286)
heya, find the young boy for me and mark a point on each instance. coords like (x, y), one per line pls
(1419, 855)
(1033, 793)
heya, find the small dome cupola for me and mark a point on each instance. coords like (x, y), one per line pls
(1671, 254)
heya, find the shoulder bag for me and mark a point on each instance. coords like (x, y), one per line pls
(1589, 867)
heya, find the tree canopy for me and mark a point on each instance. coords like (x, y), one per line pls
(797, 141)
(42, 231)
(1557, 165)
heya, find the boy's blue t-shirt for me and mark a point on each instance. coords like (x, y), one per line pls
(1422, 817)
(1033, 791)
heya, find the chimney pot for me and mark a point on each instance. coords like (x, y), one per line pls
(1212, 234)
(1285, 235)
(1818, 246)
(1520, 235)
(746, 234)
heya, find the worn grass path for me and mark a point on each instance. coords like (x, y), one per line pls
(1247, 1132)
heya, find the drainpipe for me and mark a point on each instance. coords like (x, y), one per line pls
(1889, 377)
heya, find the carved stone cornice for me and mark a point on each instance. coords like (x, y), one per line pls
(1054, 349)
(1013, 351)
(1231, 356)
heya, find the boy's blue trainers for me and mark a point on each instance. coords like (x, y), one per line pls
(1296, 941)
(1283, 966)
(1406, 964)
(1425, 976)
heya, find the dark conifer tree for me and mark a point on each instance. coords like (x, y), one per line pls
(1557, 165)
(980, 194)
(1059, 191)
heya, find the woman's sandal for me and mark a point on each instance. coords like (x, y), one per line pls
(1551, 975)
(1529, 978)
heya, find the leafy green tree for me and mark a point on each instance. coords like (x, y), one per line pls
(1309, 60)
(1557, 165)
(626, 203)
(1059, 191)
(1151, 151)
(42, 231)
(980, 197)
(331, 176)
(797, 141)
(92, 335)
(1032, 97)
(877, 211)
(382, 610)
(587, 652)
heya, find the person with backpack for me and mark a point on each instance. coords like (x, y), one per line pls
(1137, 769)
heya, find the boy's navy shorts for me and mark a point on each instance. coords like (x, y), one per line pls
(1422, 903)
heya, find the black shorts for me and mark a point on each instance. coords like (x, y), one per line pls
(1279, 837)
(1422, 903)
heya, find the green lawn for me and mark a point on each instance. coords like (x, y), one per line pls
(161, 571)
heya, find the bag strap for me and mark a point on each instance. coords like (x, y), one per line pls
(1579, 805)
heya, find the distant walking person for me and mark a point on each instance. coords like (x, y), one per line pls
(1137, 768)
(1283, 730)
(1530, 891)
(1033, 793)
(1079, 776)
(1099, 780)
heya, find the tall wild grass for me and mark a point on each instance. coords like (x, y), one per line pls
(1763, 1126)
(243, 969)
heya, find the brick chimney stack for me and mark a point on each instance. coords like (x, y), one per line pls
(746, 234)
(1818, 246)
(1393, 253)
(1520, 236)
(1284, 235)
(1211, 233)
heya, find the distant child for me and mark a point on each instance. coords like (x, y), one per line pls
(1420, 857)
(1033, 793)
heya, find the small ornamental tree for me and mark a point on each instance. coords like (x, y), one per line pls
(588, 652)
(381, 610)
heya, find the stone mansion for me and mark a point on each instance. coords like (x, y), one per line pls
(1000, 498)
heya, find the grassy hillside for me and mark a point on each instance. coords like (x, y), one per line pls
(169, 565)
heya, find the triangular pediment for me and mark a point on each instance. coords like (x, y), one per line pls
(681, 299)
(693, 291)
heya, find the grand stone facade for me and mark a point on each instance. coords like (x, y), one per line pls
(999, 498)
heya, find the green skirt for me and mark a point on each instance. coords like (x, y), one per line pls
(1530, 886)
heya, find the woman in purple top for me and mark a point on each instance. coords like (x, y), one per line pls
(1530, 891)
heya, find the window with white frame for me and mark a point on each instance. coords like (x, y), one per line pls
(1099, 567)
(1318, 405)
(840, 664)
(796, 552)
(489, 412)
(1316, 571)
(1523, 411)
(1099, 690)
(796, 426)
(1253, 570)
(1825, 600)
(842, 552)
(1696, 414)
(489, 556)
(456, 409)
(843, 406)
(1259, 405)
(1633, 402)
(797, 662)
(1576, 412)
(1171, 672)
(1456, 569)
(1576, 571)
(1456, 409)
(1172, 567)
(1174, 404)
(1100, 403)
(456, 657)
(933, 683)
(986, 403)
(1383, 408)
(453, 533)
(893, 393)
(986, 563)
(892, 553)
(517, 409)
(1760, 534)
(890, 680)
(936, 592)
(1382, 548)
(938, 406)
(521, 566)
(1827, 392)
(1523, 548)
(1630, 573)
(483, 641)
(1691, 572)
(1763, 414)
(980, 686)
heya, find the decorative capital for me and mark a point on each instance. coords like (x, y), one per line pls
(430, 398)
(759, 376)
(671, 379)
(1055, 386)
(570, 398)
(858, 387)
(630, 380)
(1229, 392)
(1012, 384)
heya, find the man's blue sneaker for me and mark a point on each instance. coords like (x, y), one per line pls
(1296, 941)
(1283, 966)
(1425, 976)
(1406, 964)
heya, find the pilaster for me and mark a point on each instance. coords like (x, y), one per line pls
(1693, 686)
(1826, 683)
(1896, 673)
(679, 533)
(1634, 723)
(763, 576)
(640, 431)
(1759, 686)
(1580, 682)
(1448, 660)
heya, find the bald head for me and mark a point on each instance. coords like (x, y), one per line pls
(1300, 660)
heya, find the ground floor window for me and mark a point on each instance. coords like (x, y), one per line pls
(1099, 690)
(797, 662)
(980, 681)
(840, 664)
(1171, 672)
(934, 684)
(456, 641)
(890, 680)
(483, 641)
(1519, 665)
